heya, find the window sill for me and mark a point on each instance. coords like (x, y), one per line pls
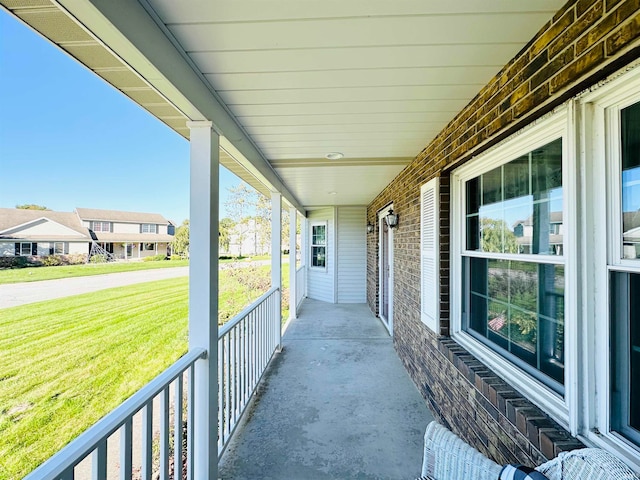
(501, 401)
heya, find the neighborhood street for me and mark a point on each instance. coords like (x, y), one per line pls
(14, 294)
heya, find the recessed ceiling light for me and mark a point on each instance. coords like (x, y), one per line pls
(333, 193)
(334, 155)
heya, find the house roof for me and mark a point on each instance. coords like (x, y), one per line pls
(120, 216)
(10, 218)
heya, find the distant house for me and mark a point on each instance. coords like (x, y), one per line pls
(249, 238)
(29, 233)
(126, 235)
(549, 237)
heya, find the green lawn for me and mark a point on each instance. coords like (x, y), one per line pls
(35, 274)
(66, 363)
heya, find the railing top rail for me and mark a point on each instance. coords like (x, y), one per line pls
(238, 318)
(87, 441)
(300, 268)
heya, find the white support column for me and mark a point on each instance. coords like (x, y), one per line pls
(293, 277)
(276, 253)
(304, 239)
(203, 293)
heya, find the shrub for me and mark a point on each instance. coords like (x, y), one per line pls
(154, 258)
(75, 259)
(100, 258)
(52, 261)
(15, 262)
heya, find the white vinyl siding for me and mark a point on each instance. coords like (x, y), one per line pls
(352, 255)
(429, 261)
(322, 280)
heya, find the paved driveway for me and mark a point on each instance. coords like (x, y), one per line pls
(15, 294)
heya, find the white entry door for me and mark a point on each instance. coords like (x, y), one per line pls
(385, 298)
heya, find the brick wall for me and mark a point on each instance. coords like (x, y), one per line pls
(586, 41)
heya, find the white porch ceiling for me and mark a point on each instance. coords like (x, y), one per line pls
(373, 79)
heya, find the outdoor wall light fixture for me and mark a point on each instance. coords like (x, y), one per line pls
(392, 219)
(369, 228)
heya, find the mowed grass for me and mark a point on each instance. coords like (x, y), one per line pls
(66, 363)
(36, 274)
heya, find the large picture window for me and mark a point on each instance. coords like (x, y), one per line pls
(513, 264)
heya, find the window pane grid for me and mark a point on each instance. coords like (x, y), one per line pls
(318, 246)
(513, 298)
(517, 207)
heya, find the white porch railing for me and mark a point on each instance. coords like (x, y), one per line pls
(301, 285)
(245, 347)
(94, 441)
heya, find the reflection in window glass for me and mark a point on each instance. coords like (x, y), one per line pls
(517, 207)
(518, 308)
(625, 354)
(630, 143)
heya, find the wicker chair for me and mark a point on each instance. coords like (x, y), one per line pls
(447, 457)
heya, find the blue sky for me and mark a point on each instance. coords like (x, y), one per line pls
(68, 139)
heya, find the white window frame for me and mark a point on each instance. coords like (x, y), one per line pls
(28, 254)
(541, 132)
(325, 224)
(63, 247)
(602, 253)
(430, 252)
(102, 225)
(148, 227)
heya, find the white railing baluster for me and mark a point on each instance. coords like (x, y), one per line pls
(221, 423)
(234, 373)
(190, 420)
(126, 450)
(164, 434)
(147, 441)
(178, 405)
(99, 461)
(227, 381)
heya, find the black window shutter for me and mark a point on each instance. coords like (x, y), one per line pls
(34, 249)
(17, 249)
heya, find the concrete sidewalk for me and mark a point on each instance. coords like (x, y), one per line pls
(14, 294)
(335, 404)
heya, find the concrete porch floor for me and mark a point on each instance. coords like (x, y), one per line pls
(335, 404)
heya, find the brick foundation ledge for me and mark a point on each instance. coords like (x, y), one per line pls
(516, 429)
